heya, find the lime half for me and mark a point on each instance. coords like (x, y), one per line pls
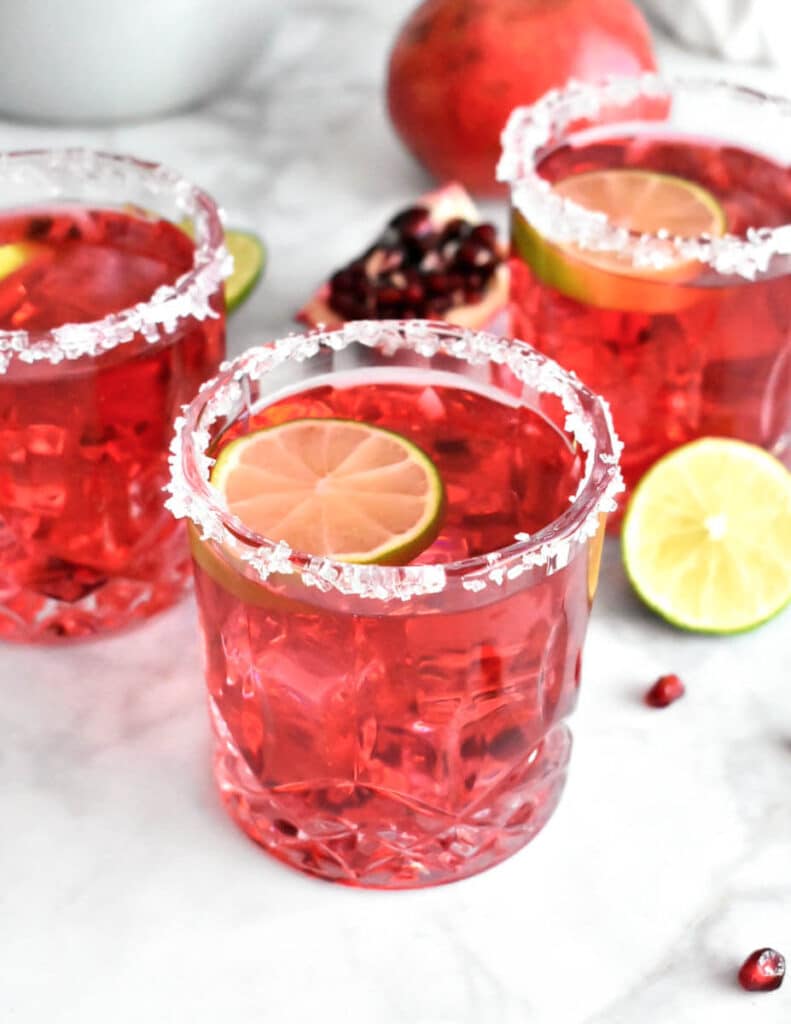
(333, 487)
(706, 538)
(642, 202)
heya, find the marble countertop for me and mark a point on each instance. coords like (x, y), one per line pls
(125, 893)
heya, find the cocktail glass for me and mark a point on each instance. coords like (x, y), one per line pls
(401, 726)
(684, 336)
(99, 348)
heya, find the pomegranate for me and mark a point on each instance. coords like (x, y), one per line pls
(434, 260)
(459, 67)
(762, 971)
(665, 690)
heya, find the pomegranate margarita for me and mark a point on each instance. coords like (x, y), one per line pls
(651, 255)
(110, 319)
(402, 723)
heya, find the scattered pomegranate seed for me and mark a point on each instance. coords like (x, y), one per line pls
(762, 971)
(664, 691)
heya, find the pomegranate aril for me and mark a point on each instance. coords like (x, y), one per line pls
(389, 295)
(486, 235)
(437, 284)
(431, 262)
(411, 222)
(450, 250)
(455, 230)
(470, 254)
(665, 690)
(438, 304)
(762, 971)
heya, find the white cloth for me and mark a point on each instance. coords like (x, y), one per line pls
(756, 31)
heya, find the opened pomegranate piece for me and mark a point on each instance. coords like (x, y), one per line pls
(434, 260)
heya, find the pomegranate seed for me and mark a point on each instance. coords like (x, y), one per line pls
(485, 235)
(390, 296)
(414, 293)
(665, 690)
(762, 971)
(438, 305)
(471, 254)
(413, 221)
(437, 284)
(431, 262)
(455, 230)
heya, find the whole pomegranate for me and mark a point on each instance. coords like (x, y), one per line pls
(459, 67)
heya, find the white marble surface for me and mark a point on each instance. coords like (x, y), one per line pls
(125, 894)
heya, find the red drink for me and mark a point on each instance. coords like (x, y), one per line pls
(399, 727)
(85, 543)
(697, 347)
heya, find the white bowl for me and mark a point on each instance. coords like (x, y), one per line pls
(108, 60)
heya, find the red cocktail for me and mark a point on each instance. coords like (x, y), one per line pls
(401, 725)
(110, 319)
(686, 332)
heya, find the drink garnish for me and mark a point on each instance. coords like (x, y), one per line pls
(334, 487)
(14, 255)
(642, 202)
(707, 536)
(249, 256)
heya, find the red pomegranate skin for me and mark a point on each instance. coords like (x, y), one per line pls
(459, 67)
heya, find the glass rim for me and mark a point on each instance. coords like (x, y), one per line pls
(564, 222)
(587, 422)
(188, 296)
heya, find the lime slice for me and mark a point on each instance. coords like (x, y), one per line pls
(642, 202)
(249, 256)
(706, 538)
(14, 255)
(333, 487)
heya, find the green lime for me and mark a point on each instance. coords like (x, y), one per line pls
(249, 257)
(643, 202)
(339, 488)
(706, 539)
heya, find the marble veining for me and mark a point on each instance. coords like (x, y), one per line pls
(126, 896)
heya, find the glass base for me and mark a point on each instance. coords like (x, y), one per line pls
(86, 604)
(344, 831)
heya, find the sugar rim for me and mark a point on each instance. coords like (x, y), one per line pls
(187, 296)
(588, 421)
(564, 222)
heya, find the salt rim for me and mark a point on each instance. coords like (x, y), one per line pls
(187, 296)
(564, 222)
(587, 420)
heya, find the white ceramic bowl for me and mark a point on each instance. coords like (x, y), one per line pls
(108, 60)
